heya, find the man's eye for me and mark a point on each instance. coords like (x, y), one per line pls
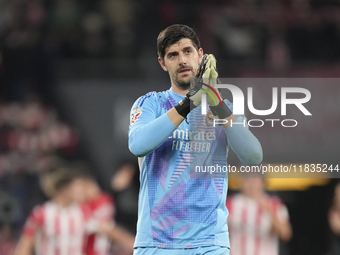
(188, 51)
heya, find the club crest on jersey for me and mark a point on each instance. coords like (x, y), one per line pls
(210, 118)
(135, 114)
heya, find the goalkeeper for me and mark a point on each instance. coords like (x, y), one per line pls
(178, 214)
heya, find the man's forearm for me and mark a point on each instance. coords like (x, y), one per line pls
(174, 117)
(150, 136)
(119, 235)
(283, 229)
(244, 144)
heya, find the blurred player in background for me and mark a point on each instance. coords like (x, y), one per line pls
(57, 226)
(178, 214)
(256, 220)
(99, 206)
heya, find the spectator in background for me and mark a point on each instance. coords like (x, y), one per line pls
(57, 226)
(256, 220)
(334, 221)
(100, 206)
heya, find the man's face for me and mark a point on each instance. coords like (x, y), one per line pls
(181, 60)
(78, 190)
(252, 186)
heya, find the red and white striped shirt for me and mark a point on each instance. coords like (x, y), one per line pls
(57, 231)
(101, 210)
(250, 228)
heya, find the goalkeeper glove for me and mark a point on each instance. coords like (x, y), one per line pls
(216, 104)
(194, 96)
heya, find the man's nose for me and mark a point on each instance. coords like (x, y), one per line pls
(182, 59)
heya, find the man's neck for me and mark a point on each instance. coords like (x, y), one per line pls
(256, 195)
(62, 201)
(178, 90)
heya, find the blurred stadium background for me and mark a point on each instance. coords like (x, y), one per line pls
(70, 71)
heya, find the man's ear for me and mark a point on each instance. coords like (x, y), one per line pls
(200, 54)
(161, 62)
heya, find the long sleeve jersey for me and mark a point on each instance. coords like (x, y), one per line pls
(178, 206)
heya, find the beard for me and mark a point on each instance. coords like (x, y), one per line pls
(183, 85)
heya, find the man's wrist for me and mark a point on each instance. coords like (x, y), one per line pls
(221, 110)
(231, 119)
(184, 107)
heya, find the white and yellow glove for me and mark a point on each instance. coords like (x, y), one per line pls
(214, 98)
(205, 81)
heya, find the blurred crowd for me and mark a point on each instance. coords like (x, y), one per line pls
(272, 34)
(69, 28)
(277, 32)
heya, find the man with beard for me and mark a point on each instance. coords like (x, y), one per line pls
(179, 214)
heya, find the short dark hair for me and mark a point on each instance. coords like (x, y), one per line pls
(55, 179)
(63, 182)
(83, 175)
(174, 34)
(81, 170)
